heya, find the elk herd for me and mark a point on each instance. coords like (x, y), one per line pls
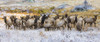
(49, 22)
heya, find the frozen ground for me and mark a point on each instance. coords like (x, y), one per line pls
(92, 35)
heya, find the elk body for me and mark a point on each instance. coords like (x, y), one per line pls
(90, 20)
(8, 22)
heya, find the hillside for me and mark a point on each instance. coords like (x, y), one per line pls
(95, 3)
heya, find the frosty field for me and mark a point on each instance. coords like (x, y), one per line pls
(40, 35)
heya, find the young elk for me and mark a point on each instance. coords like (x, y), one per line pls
(8, 22)
(90, 20)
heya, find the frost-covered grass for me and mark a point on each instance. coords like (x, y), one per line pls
(48, 36)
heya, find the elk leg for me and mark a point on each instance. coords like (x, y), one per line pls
(41, 26)
(49, 28)
(19, 27)
(90, 24)
(82, 27)
(64, 26)
(74, 25)
(46, 29)
(24, 27)
(71, 25)
(35, 26)
(14, 26)
(31, 27)
(94, 24)
(84, 23)
(6, 27)
(55, 28)
(60, 28)
(68, 25)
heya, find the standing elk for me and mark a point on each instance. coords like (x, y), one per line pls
(23, 23)
(60, 22)
(43, 19)
(12, 20)
(48, 23)
(36, 21)
(90, 20)
(72, 20)
(79, 24)
(18, 23)
(27, 17)
(8, 22)
(39, 22)
(30, 22)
